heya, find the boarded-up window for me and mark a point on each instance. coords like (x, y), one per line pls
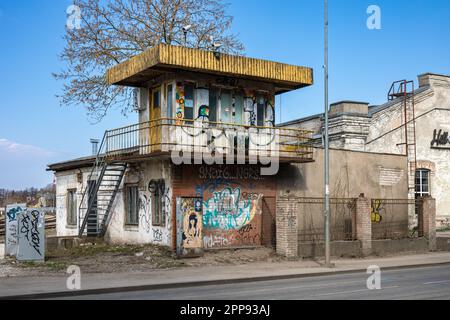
(132, 205)
(158, 218)
(72, 207)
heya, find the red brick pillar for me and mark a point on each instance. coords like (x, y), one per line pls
(363, 224)
(286, 227)
(429, 221)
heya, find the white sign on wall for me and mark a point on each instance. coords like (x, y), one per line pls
(12, 228)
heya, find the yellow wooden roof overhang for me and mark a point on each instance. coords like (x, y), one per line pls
(163, 58)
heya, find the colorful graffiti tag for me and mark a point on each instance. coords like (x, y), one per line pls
(227, 210)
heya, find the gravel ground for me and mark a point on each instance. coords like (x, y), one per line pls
(110, 259)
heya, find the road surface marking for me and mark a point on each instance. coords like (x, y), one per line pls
(354, 291)
(437, 282)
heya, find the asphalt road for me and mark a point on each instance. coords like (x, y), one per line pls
(408, 283)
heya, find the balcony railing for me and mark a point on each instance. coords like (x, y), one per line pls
(165, 136)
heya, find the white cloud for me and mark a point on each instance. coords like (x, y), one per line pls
(8, 147)
(23, 165)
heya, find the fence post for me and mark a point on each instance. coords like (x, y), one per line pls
(286, 228)
(429, 221)
(363, 224)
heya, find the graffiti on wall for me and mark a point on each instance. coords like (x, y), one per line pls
(227, 210)
(157, 235)
(250, 109)
(31, 235)
(12, 228)
(144, 212)
(155, 187)
(192, 224)
(375, 211)
(180, 102)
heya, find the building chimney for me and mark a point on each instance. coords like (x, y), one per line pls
(94, 143)
(349, 108)
(434, 80)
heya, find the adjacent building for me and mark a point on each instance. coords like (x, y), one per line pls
(414, 122)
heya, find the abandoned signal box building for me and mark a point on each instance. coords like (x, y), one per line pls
(206, 166)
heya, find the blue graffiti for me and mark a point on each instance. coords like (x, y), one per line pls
(12, 214)
(227, 211)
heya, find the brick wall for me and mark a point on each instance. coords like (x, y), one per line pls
(363, 224)
(287, 227)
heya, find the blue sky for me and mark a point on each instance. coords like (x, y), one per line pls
(35, 130)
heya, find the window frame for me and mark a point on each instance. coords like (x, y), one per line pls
(127, 205)
(263, 107)
(157, 207)
(419, 188)
(71, 195)
(156, 90)
(169, 99)
(193, 85)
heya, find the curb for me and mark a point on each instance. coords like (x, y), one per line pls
(80, 293)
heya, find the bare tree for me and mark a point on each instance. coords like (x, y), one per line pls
(113, 31)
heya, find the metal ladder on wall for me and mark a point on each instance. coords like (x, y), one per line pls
(405, 90)
(99, 194)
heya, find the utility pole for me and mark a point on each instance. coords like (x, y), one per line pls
(327, 151)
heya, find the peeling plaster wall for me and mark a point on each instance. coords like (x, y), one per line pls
(118, 232)
(144, 233)
(65, 181)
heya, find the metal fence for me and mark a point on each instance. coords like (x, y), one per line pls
(311, 219)
(390, 218)
(165, 135)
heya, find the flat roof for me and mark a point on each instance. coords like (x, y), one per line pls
(164, 58)
(72, 164)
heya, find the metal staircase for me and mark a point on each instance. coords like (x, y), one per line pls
(98, 196)
(404, 90)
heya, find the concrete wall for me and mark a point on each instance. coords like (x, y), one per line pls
(121, 233)
(67, 180)
(352, 173)
(351, 249)
(118, 232)
(378, 176)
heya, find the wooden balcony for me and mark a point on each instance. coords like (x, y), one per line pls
(192, 138)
